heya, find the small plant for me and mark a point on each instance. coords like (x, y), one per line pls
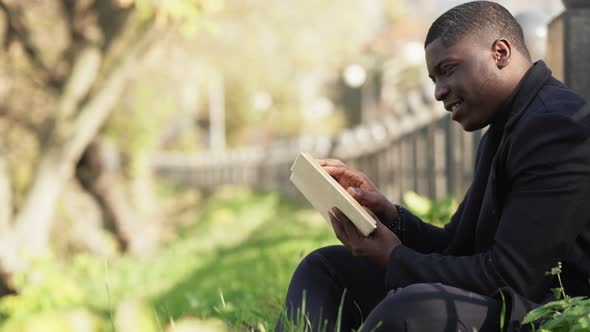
(300, 322)
(564, 314)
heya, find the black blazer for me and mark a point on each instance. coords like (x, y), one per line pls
(527, 208)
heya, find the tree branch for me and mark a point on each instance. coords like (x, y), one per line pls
(69, 8)
(67, 56)
(17, 31)
(93, 114)
(21, 121)
(84, 73)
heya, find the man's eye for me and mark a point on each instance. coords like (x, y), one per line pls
(447, 70)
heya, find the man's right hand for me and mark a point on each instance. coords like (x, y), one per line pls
(361, 189)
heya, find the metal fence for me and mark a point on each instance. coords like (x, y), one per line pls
(415, 148)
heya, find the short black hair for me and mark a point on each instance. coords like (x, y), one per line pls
(477, 17)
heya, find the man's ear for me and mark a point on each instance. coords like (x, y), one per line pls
(502, 52)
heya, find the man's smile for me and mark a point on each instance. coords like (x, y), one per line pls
(454, 107)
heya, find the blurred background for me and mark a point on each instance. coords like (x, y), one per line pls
(145, 149)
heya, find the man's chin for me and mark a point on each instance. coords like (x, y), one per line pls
(469, 126)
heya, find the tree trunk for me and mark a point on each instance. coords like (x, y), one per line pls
(32, 224)
(63, 149)
(83, 228)
(98, 172)
(143, 187)
(5, 196)
(5, 218)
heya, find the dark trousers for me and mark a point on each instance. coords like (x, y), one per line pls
(331, 278)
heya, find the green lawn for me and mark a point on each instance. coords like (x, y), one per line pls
(228, 270)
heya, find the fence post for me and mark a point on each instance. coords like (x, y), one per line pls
(569, 46)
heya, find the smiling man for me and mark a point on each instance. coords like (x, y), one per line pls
(471, 74)
(524, 212)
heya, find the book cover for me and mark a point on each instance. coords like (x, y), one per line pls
(324, 193)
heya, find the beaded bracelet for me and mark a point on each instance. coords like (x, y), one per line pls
(397, 226)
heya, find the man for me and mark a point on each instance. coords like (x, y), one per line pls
(525, 211)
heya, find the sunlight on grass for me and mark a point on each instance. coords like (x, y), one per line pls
(232, 265)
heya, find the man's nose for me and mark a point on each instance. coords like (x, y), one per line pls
(440, 91)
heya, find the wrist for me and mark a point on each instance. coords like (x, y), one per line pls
(395, 224)
(388, 252)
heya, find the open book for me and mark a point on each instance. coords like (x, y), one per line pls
(324, 193)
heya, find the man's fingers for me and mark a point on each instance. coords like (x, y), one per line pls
(344, 173)
(358, 194)
(345, 176)
(335, 171)
(355, 240)
(349, 228)
(330, 162)
(365, 198)
(338, 228)
(372, 214)
(335, 167)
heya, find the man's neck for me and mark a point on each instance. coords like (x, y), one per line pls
(514, 81)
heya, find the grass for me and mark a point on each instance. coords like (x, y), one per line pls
(227, 271)
(232, 264)
(243, 278)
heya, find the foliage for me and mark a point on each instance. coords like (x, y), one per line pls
(282, 52)
(136, 130)
(66, 64)
(76, 320)
(285, 52)
(42, 287)
(564, 314)
(435, 212)
(233, 264)
(69, 64)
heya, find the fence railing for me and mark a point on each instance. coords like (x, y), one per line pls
(416, 147)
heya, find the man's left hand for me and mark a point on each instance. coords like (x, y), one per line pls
(377, 247)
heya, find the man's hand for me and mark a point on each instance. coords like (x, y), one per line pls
(377, 247)
(361, 189)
